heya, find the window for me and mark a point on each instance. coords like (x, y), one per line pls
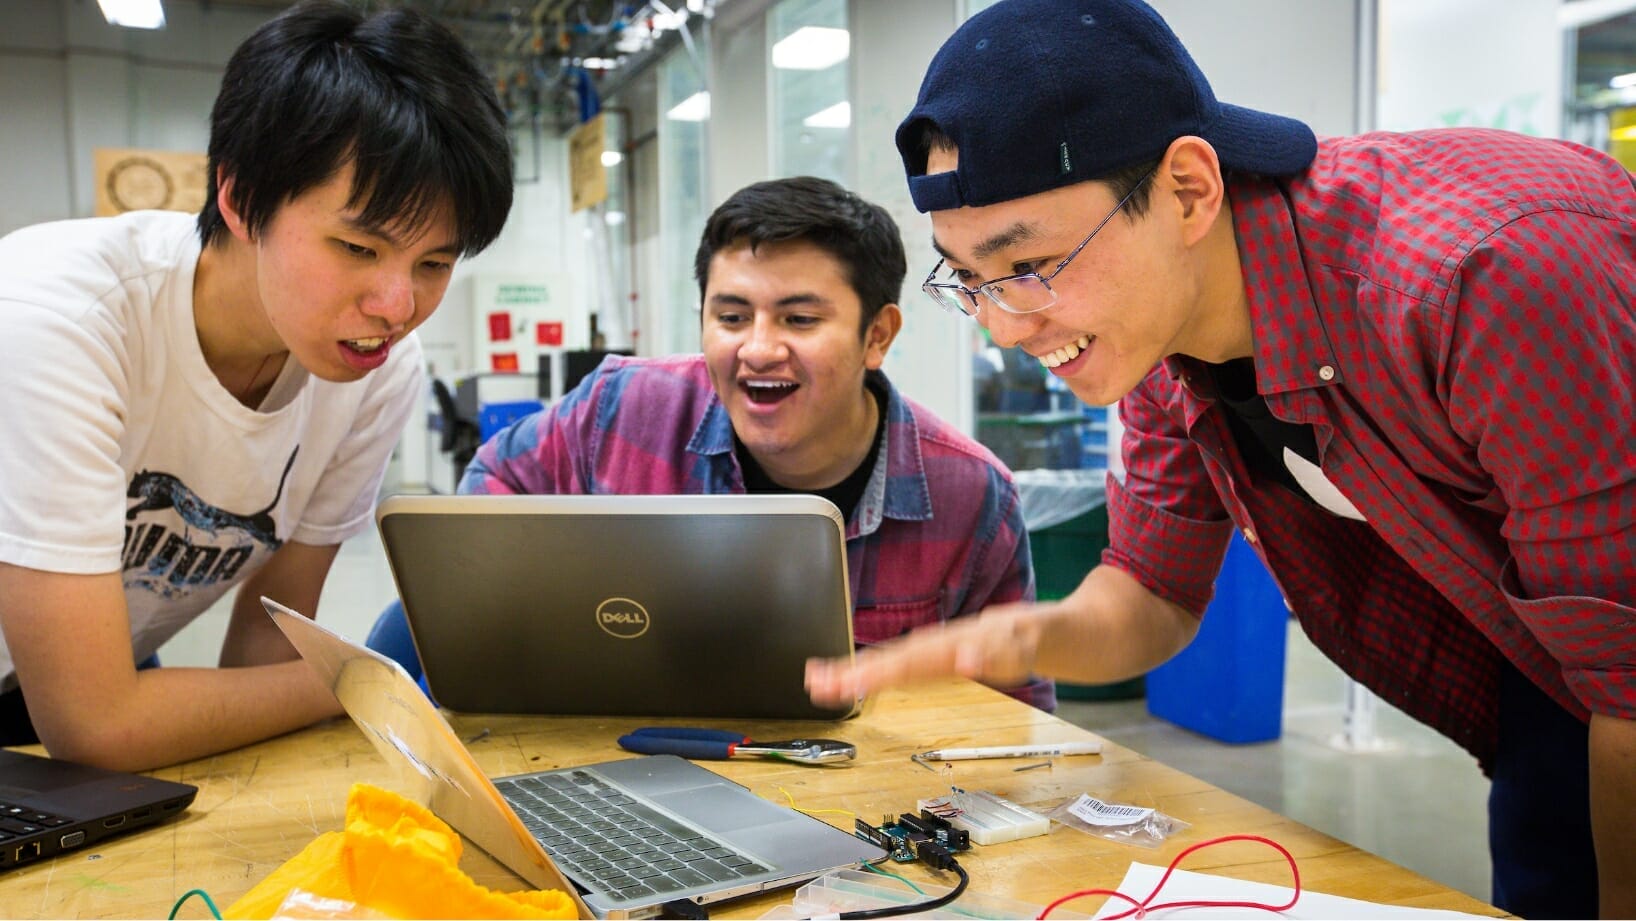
(812, 116)
(684, 120)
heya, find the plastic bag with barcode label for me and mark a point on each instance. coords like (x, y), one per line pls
(1139, 825)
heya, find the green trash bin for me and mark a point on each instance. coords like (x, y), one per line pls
(1063, 553)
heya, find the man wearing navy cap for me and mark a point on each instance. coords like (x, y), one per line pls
(1365, 354)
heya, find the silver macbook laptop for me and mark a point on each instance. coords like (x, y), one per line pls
(631, 835)
(674, 606)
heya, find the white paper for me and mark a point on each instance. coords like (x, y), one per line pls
(1186, 886)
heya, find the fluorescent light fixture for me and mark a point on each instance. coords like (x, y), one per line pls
(614, 218)
(1623, 80)
(838, 115)
(612, 158)
(812, 48)
(133, 14)
(695, 108)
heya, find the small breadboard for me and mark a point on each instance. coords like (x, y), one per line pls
(989, 819)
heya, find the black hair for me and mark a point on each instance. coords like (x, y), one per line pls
(1127, 180)
(395, 94)
(861, 235)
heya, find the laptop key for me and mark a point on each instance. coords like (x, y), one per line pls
(662, 883)
(689, 877)
(669, 864)
(635, 892)
(646, 872)
(715, 871)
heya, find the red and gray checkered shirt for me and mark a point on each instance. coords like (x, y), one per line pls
(1454, 312)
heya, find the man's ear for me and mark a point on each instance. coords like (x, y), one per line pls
(877, 339)
(1191, 173)
(224, 203)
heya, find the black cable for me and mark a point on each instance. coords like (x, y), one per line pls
(896, 910)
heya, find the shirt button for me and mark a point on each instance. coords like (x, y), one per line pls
(1326, 373)
(1249, 535)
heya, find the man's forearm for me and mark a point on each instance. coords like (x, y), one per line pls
(1111, 628)
(1613, 812)
(178, 714)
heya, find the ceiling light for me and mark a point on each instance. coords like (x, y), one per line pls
(695, 108)
(614, 218)
(612, 158)
(133, 14)
(838, 115)
(1623, 80)
(812, 48)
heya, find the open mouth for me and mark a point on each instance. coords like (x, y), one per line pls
(766, 393)
(1067, 353)
(365, 346)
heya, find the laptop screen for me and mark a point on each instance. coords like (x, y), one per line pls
(667, 606)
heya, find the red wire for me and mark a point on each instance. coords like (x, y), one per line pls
(1142, 907)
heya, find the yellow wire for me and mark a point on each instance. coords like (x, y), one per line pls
(845, 812)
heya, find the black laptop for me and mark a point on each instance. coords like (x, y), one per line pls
(49, 806)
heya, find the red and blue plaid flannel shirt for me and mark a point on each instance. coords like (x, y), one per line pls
(938, 533)
(1454, 312)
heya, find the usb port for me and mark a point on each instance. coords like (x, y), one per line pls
(142, 813)
(114, 822)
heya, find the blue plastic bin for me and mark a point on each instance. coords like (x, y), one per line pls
(1229, 682)
(492, 417)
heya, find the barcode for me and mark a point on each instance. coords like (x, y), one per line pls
(1096, 812)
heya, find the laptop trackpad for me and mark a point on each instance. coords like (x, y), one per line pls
(722, 808)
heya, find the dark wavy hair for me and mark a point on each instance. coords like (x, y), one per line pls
(861, 235)
(394, 94)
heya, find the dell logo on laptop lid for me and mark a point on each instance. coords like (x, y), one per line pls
(622, 617)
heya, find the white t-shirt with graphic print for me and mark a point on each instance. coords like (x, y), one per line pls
(120, 450)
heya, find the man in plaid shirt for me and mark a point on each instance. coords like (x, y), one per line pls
(800, 281)
(1402, 366)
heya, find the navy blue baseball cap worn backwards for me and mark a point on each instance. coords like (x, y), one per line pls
(1040, 94)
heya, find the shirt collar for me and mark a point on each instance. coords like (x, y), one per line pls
(897, 487)
(1292, 349)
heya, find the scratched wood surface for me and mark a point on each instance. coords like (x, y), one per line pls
(260, 805)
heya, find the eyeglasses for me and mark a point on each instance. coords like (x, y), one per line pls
(1029, 292)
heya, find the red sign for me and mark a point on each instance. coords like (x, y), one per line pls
(504, 361)
(548, 334)
(500, 326)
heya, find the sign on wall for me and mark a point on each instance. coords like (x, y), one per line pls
(130, 179)
(587, 177)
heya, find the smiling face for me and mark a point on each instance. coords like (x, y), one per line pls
(336, 293)
(1134, 295)
(782, 341)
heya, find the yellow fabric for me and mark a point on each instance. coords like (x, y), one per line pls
(396, 858)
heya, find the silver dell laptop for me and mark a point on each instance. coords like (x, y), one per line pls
(631, 835)
(669, 606)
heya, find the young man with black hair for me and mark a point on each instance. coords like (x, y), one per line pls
(198, 404)
(800, 281)
(1402, 366)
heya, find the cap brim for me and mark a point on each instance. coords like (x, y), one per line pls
(1250, 141)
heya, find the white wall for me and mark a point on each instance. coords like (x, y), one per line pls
(1473, 63)
(69, 82)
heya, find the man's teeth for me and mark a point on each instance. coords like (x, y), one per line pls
(769, 386)
(1067, 353)
(366, 345)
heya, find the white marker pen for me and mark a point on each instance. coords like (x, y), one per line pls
(1036, 750)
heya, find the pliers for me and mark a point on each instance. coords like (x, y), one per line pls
(721, 744)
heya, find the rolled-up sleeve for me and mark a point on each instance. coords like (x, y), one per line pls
(1166, 525)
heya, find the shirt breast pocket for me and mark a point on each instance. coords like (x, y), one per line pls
(877, 623)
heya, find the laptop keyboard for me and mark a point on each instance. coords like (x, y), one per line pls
(598, 833)
(26, 820)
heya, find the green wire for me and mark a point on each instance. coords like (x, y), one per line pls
(902, 879)
(214, 911)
